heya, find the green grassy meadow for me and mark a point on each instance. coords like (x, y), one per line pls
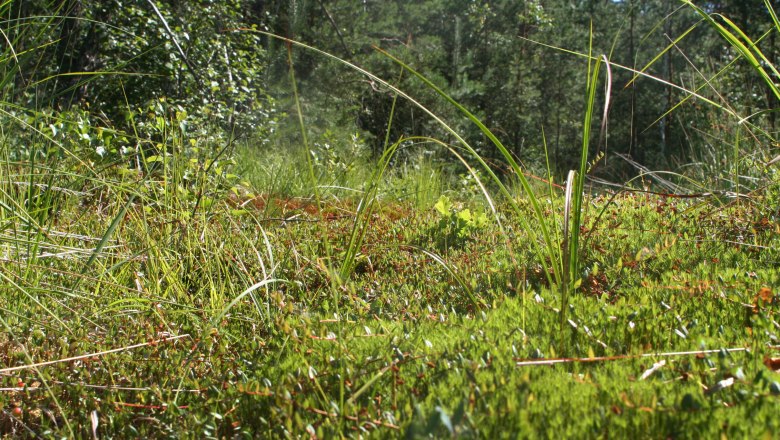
(173, 283)
(231, 321)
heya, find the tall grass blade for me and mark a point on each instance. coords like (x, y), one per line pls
(550, 251)
(107, 235)
(566, 245)
(366, 203)
(364, 212)
(742, 44)
(772, 14)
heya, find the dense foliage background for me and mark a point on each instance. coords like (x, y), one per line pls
(513, 63)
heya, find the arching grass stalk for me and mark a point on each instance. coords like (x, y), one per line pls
(566, 271)
(406, 96)
(547, 253)
(452, 271)
(366, 204)
(262, 283)
(550, 251)
(363, 213)
(745, 46)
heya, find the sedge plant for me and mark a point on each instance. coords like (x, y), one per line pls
(564, 272)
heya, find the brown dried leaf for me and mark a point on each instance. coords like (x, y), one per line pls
(772, 363)
(765, 294)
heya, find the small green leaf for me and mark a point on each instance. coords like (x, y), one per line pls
(443, 205)
(480, 219)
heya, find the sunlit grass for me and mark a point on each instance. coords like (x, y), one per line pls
(314, 293)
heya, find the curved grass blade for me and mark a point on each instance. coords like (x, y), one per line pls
(567, 263)
(364, 210)
(453, 273)
(241, 296)
(743, 44)
(549, 251)
(107, 236)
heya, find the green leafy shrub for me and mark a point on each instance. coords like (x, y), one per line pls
(457, 224)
